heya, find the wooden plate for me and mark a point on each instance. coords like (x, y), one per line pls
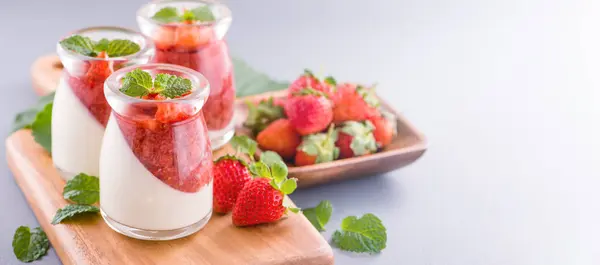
(90, 241)
(407, 146)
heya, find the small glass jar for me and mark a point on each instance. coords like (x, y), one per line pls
(156, 160)
(80, 111)
(199, 46)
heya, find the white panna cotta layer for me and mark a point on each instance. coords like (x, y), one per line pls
(132, 196)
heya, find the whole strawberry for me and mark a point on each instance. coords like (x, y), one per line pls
(385, 128)
(230, 175)
(309, 110)
(308, 80)
(280, 137)
(356, 139)
(317, 148)
(261, 199)
(354, 103)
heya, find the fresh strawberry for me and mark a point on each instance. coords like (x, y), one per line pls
(230, 174)
(261, 199)
(354, 103)
(385, 128)
(280, 137)
(309, 110)
(317, 148)
(308, 80)
(356, 139)
(262, 113)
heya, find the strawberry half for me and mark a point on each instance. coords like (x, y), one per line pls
(317, 148)
(309, 110)
(280, 137)
(230, 174)
(354, 103)
(356, 139)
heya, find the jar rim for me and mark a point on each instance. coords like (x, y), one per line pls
(146, 46)
(143, 13)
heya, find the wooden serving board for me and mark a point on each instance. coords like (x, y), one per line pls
(408, 145)
(90, 241)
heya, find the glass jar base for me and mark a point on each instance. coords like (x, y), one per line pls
(219, 138)
(155, 235)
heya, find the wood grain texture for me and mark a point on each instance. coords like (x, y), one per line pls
(408, 146)
(89, 240)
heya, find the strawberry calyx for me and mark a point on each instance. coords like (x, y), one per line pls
(262, 114)
(330, 81)
(231, 157)
(391, 119)
(363, 140)
(368, 95)
(310, 92)
(321, 145)
(309, 73)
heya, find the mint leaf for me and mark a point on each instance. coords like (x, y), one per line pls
(259, 169)
(201, 13)
(364, 235)
(24, 119)
(244, 144)
(167, 15)
(30, 245)
(289, 186)
(79, 44)
(82, 189)
(270, 158)
(119, 48)
(41, 128)
(319, 216)
(279, 171)
(249, 81)
(71, 211)
(137, 83)
(171, 86)
(101, 45)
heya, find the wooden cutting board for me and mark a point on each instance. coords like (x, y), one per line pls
(90, 241)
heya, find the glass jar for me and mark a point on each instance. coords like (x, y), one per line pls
(80, 111)
(156, 160)
(199, 46)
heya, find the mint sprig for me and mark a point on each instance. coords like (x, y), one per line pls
(24, 119)
(82, 189)
(41, 128)
(86, 46)
(138, 83)
(73, 210)
(30, 245)
(319, 215)
(363, 235)
(171, 14)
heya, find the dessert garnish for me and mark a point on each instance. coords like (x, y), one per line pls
(363, 235)
(82, 189)
(112, 48)
(41, 127)
(171, 14)
(30, 245)
(139, 83)
(319, 215)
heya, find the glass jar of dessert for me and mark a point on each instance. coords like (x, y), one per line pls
(80, 111)
(191, 33)
(156, 158)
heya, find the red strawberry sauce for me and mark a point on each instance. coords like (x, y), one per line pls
(171, 142)
(89, 88)
(198, 49)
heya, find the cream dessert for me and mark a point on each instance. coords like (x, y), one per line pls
(156, 159)
(80, 111)
(191, 33)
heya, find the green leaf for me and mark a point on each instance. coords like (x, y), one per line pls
(137, 83)
(30, 245)
(171, 86)
(82, 189)
(167, 15)
(119, 48)
(101, 45)
(319, 216)
(244, 144)
(364, 235)
(249, 81)
(321, 145)
(259, 169)
(79, 44)
(24, 119)
(330, 80)
(262, 114)
(201, 13)
(41, 128)
(289, 186)
(368, 94)
(279, 171)
(294, 209)
(270, 158)
(73, 210)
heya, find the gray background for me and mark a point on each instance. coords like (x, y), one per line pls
(507, 91)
